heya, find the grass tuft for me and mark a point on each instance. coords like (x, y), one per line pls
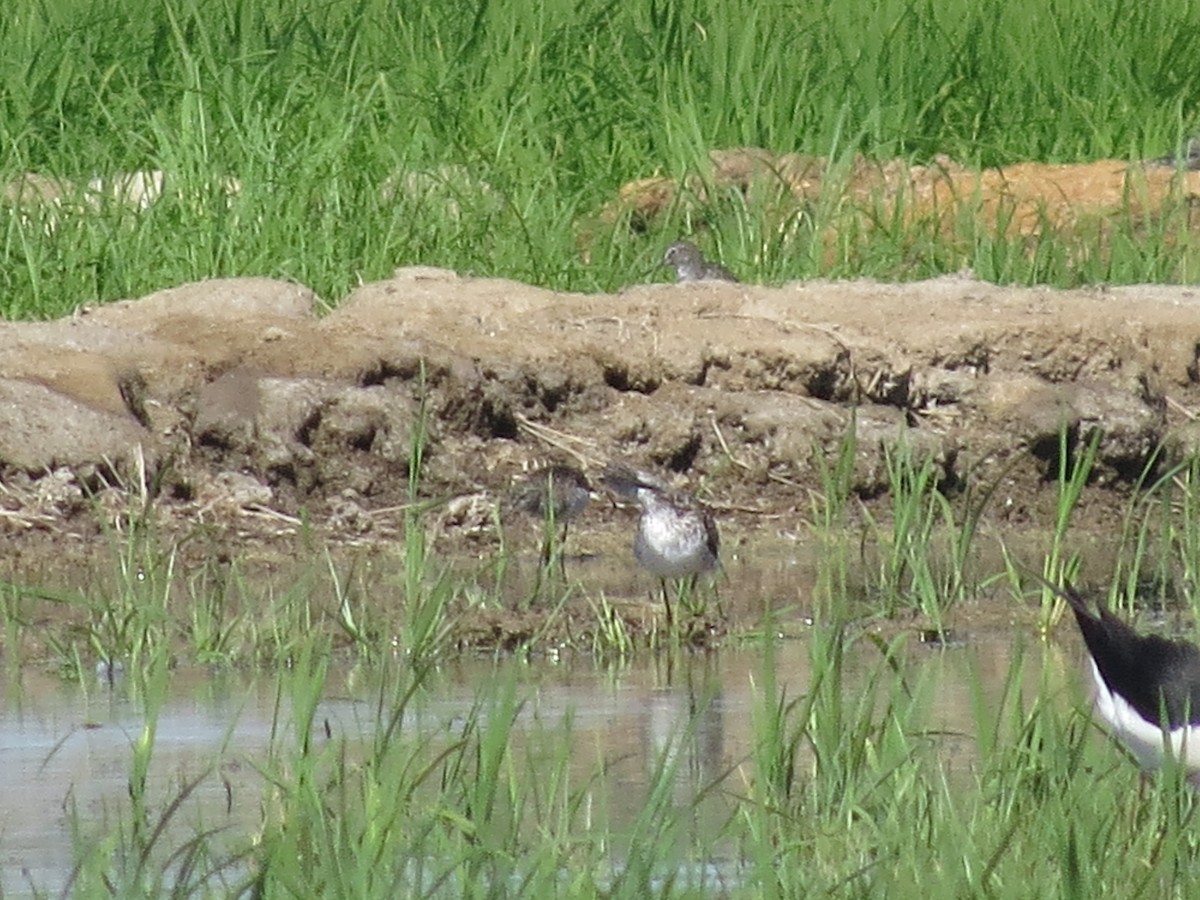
(328, 144)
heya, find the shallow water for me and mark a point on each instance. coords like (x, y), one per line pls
(66, 748)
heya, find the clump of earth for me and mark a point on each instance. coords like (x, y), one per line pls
(231, 402)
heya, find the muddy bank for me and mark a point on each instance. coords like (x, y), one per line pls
(234, 402)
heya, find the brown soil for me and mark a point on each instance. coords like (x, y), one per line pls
(1080, 204)
(231, 401)
(230, 407)
(233, 410)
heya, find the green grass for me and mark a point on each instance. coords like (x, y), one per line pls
(847, 789)
(845, 786)
(913, 560)
(510, 124)
(367, 135)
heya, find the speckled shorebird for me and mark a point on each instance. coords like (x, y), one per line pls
(690, 265)
(676, 537)
(1147, 687)
(556, 494)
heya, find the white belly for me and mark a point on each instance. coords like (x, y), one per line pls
(673, 546)
(1146, 740)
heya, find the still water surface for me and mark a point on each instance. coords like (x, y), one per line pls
(66, 749)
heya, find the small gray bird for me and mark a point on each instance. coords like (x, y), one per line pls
(556, 494)
(676, 537)
(690, 265)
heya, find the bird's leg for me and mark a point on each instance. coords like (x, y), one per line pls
(553, 555)
(719, 605)
(549, 532)
(687, 593)
(553, 538)
(667, 604)
(562, 556)
(540, 577)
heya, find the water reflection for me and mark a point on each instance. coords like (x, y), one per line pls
(66, 749)
(682, 726)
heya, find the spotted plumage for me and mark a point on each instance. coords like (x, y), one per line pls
(690, 265)
(676, 537)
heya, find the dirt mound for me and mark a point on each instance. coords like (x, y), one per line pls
(233, 398)
(1085, 201)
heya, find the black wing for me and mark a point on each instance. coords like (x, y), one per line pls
(1153, 674)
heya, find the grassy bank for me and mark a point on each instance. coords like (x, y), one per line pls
(160, 586)
(367, 135)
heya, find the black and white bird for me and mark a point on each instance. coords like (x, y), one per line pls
(1147, 687)
(690, 265)
(676, 537)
